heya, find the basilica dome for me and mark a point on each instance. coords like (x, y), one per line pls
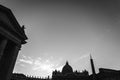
(67, 69)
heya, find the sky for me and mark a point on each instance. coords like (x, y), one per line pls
(67, 30)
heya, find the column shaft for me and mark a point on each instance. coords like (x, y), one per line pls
(3, 44)
(13, 60)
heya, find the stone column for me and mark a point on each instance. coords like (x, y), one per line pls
(3, 44)
(13, 60)
(9, 54)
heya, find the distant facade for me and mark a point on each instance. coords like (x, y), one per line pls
(68, 74)
(18, 76)
(108, 74)
(12, 36)
(104, 74)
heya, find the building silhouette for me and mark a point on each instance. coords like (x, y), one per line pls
(12, 36)
(68, 74)
(104, 73)
(19, 76)
(108, 74)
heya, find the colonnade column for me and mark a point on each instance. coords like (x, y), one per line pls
(13, 60)
(3, 43)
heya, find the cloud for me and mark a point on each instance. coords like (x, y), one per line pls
(46, 65)
(43, 65)
(26, 61)
(22, 65)
(82, 57)
(59, 68)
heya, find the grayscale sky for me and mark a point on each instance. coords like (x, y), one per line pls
(60, 30)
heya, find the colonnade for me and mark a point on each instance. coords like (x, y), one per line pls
(8, 54)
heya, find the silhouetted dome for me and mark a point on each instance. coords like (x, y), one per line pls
(67, 69)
